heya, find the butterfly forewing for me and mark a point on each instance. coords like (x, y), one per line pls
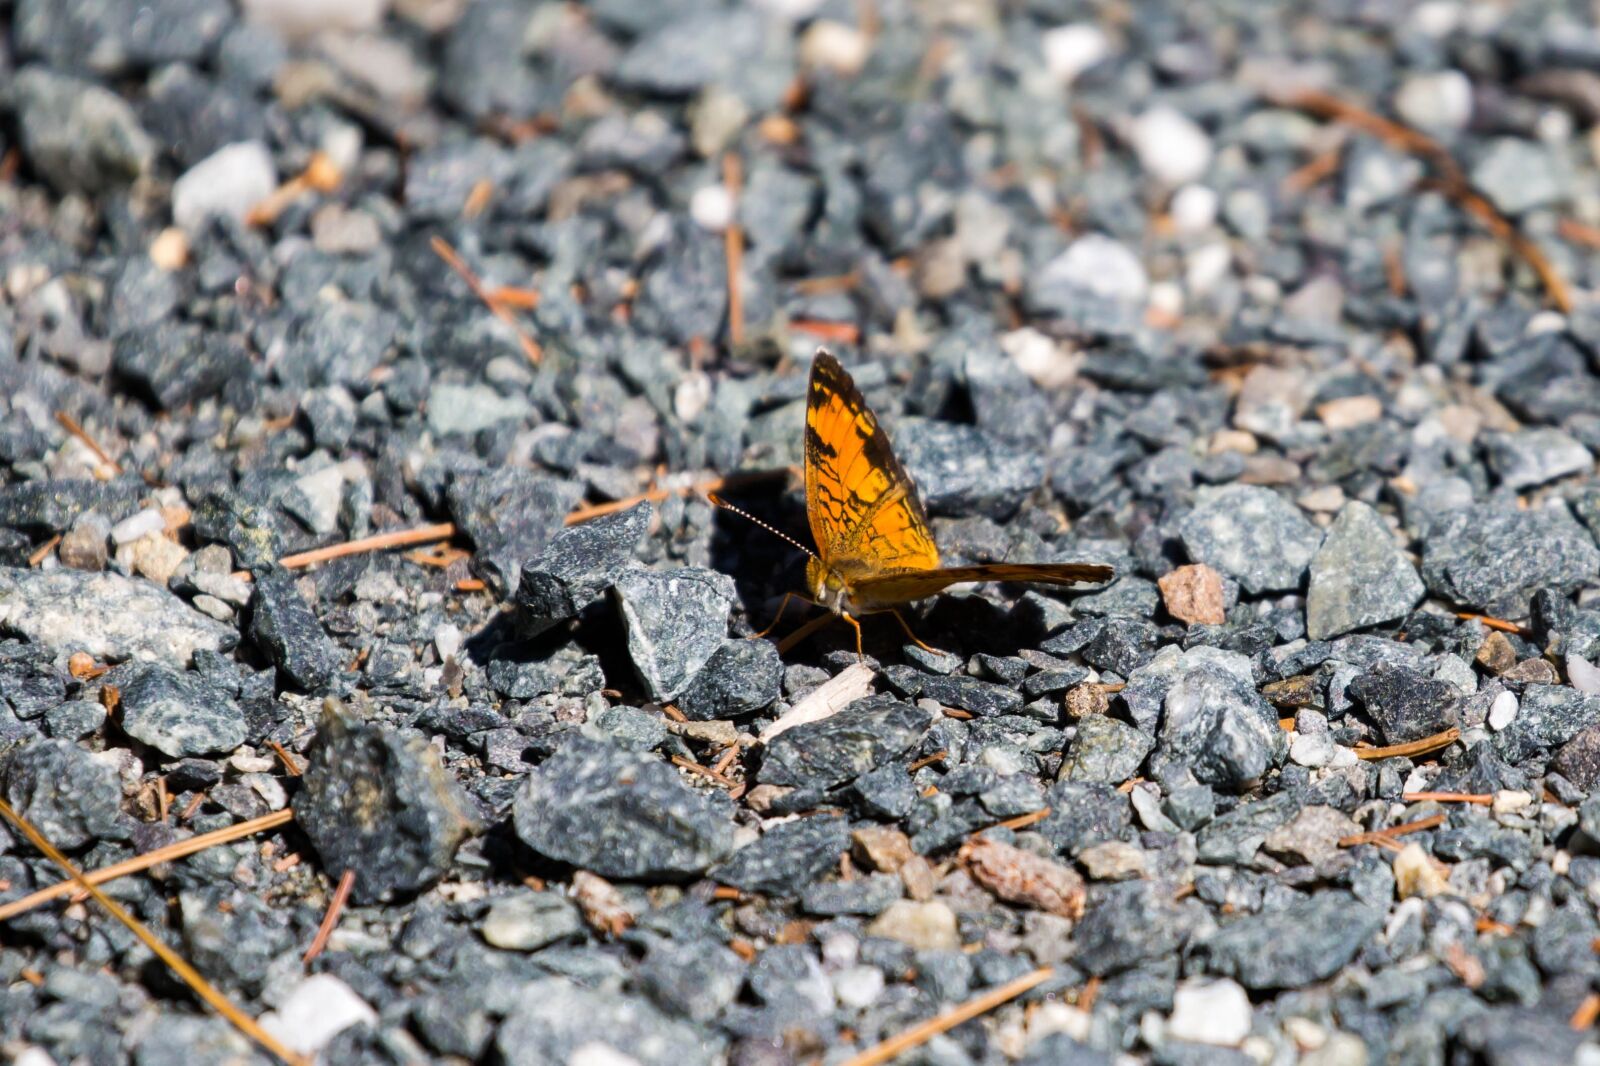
(862, 507)
(888, 590)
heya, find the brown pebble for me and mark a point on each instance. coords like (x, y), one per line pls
(1193, 594)
(1496, 654)
(1531, 672)
(1085, 700)
(882, 847)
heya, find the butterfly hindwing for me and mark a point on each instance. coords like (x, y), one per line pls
(888, 590)
(861, 505)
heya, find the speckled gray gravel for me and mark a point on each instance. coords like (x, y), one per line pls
(1115, 295)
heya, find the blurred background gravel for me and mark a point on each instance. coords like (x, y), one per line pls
(1152, 284)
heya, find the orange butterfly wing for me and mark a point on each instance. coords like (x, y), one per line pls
(864, 511)
(887, 590)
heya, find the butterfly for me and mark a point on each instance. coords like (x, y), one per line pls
(875, 551)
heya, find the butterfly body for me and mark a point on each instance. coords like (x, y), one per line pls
(875, 549)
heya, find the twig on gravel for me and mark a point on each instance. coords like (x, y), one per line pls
(1393, 831)
(42, 552)
(400, 538)
(1022, 821)
(1491, 623)
(330, 920)
(453, 260)
(1483, 799)
(283, 755)
(138, 863)
(837, 332)
(71, 425)
(320, 175)
(190, 976)
(705, 771)
(921, 1033)
(1451, 181)
(733, 248)
(700, 488)
(1415, 747)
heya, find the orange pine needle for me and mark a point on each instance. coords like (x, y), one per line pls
(733, 248)
(1483, 799)
(330, 920)
(921, 1033)
(1393, 831)
(1491, 623)
(189, 975)
(138, 863)
(42, 552)
(71, 425)
(453, 260)
(838, 332)
(1415, 747)
(377, 542)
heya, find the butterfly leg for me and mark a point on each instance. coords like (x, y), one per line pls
(787, 596)
(898, 617)
(860, 655)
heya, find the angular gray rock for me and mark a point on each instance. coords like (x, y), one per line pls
(1307, 941)
(78, 135)
(577, 567)
(1494, 559)
(1251, 534)
(676, 620)
(840, 748)
(181, 714)
(1532, 457)
(619, 813)
(68, 795)
(380, 803)
(1105, 751)
(1216, 724)
(552, 1018)
(1360, 576)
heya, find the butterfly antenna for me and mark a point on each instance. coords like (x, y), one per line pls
(780, 534)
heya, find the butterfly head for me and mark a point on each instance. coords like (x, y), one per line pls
(828, 587)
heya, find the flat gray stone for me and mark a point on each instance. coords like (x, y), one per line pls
(1251, 534)
(109, 616)
(1359, 577)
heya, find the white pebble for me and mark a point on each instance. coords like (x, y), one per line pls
(858, 987)
(1210, 1012)
(319, 1009)
(1167, 298)
(1101, 267)
(594, 1053)
(1312, 750)
(1193, 208)
(711, 207)
(447, 640)
(1585, 675)
(138, 525)
(1436, 18)
(300, 18)
(1071, 50)
(1044, 361)
(1438, 101)
(1171, 146)
(835, 46)
(1502, 710)
(227, 183)
(34, 1056)
(1206, 267)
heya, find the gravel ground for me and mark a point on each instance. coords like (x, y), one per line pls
(1144, 284)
